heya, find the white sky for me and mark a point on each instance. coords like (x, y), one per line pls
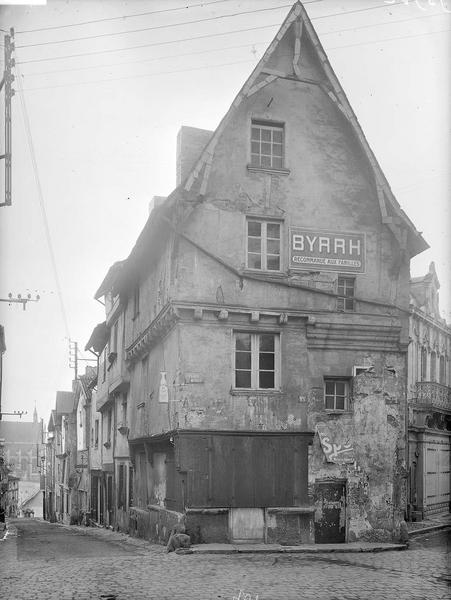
(104, 128)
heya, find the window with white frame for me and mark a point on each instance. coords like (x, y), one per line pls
(267, 144)
(136, 301)
(345, 293)
(424, 363)
(433, 367)
(442, 370)
(336, 394)
(114, 337)
(256, 360)
(263, 245)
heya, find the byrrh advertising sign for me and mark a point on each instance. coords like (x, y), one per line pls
(327, 251)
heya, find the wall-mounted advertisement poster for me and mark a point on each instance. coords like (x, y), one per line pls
(319, 250)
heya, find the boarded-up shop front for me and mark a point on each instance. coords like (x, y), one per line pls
(231, 486)
(245, 486)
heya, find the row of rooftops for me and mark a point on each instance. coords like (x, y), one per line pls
(65, 403)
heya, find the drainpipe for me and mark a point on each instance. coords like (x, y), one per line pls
(407, 453)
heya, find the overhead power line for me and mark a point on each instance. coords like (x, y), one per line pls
(195, 21)
(142, 75)
(110, 50)
(110, 79)
(123, 17)
(392, 39)
(165, 43)
(369, 25)
(155, 27)
(223, 48)
(147, 60)
(41, 199)
(357, 10)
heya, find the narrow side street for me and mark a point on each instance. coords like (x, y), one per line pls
(43, 561)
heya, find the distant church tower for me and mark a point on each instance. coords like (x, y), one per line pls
(35, 415)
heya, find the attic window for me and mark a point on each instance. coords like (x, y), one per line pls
(267, 145)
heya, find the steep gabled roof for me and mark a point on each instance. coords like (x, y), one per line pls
(298, 21)
(192, 190)
(98, 338)
(52, 421)
(64, 403)
(424, 293)
(109, 279)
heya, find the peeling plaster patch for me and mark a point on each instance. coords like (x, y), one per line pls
(358, 525)
(195, 417)
(392, 421)
(389, 399)
(291, 420)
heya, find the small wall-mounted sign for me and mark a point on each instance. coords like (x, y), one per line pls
(163, 395)
(341, 452)
(320, 250)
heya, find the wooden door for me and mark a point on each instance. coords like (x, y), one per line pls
(247, 525)
(330, 515)
(437, 475)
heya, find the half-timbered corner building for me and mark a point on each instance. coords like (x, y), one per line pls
(265, 322)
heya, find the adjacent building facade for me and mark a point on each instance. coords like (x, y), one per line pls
(429, 394)
(61, 453)
(22, 452)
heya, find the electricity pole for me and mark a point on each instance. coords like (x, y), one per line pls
(74, 358)
(6, 82)
(19, 300)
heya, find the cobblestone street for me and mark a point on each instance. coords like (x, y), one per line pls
(43, 561)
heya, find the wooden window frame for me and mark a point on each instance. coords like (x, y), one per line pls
(345, 302)
(96, 433)
(442, 369)
(433, 366)
(346, 397)
(255, 359)
(121, 486)
(264, 254)
(109, 421)
(423, 363)
(257, 158)
(136, 300)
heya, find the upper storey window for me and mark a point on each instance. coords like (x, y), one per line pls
(136, 301)
(263, 245)
(267, 145)
(345, 294)
(257, 357)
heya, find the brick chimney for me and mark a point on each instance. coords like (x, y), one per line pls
(190, 143)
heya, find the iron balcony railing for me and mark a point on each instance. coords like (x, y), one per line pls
(434, 394)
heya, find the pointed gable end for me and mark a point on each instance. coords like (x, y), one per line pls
(297, 57)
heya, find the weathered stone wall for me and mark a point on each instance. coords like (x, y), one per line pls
(153, 523)
(289, 529)
(147, 414)
(375, 425)
(208, 527)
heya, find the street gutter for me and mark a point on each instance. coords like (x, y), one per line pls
(278, 549)
(415, 532)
